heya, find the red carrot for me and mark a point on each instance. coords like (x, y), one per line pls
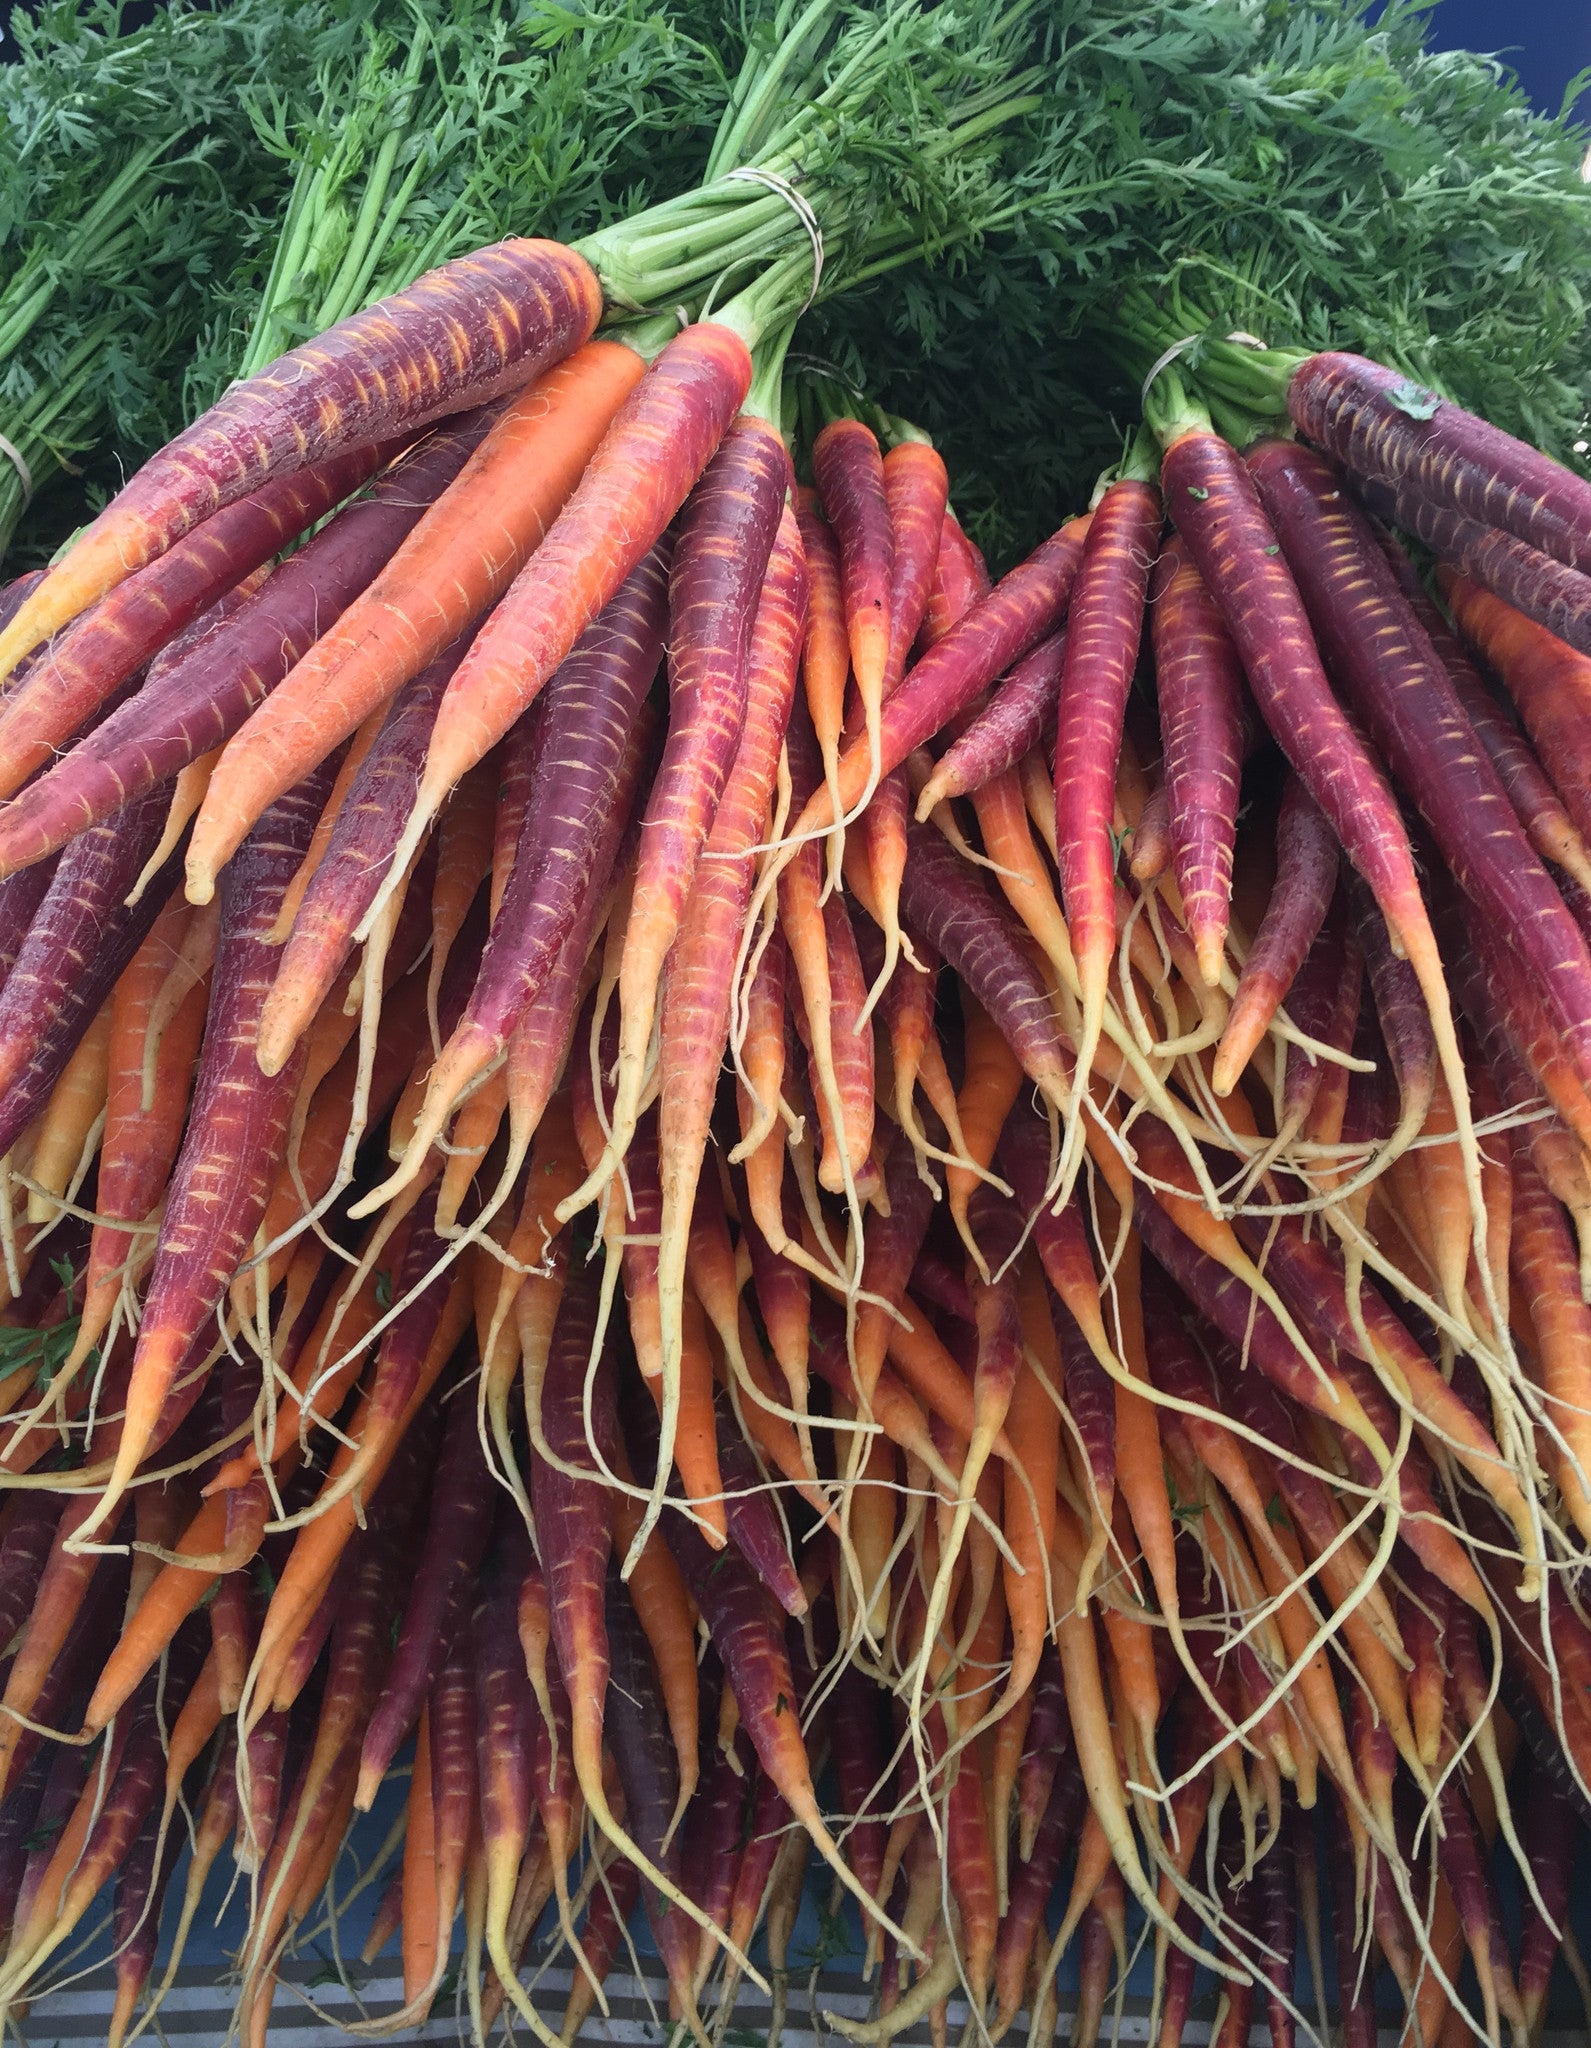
(481, 325)
(1205, 730)
(1104, 624)
(1012, 722)
(849, 472)
(720, 557)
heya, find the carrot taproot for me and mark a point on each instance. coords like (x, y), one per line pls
(992, 1078)
(461, 335)
(1104, 625)
(68, 1130)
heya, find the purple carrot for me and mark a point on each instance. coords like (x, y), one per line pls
(1053, 1834)
(643, 1755)
(935, 1281)
(593, 746)
(18, 1819)
(1091, 1398)
(75, 675)
(30, 1532)
(478, 327)
(1010, 724)
(457, 1533)
(1047, 1741)
(1551, 1833)
(1390, 431)
(20, 897)
(1324, 1004)
(893, 1243)
(859, 1761)
(981, 940)
(237, 1127)
(714, 1840)
(725, 536)
(187, 708)
(1306, 877)
(1405, 1023)
(1378, 650)
(1206, 728)
(135, 1917)
(754, 1527)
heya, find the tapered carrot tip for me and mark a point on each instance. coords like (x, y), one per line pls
(1209, 948)
(1247, 1023)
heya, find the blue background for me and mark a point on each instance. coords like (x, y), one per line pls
(1546, 42)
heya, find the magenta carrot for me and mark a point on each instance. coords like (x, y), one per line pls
(237, 1130)
(1203, 697)
(594, 743)
(720, 556)
(699, 978)
(468, 332)
(1396, 681)
(1388, 430)
(657, 447)
(81, 669)
(195, 704)
(1103, 628)
(1012, 722)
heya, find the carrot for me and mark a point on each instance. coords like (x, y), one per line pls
(236, 1133)
(720, 559)
(849, 471)
(1012, 722)
(1386, 429)
(1547, 1272)
(595, 741)
(1398, 685)
(825, 649)
(664, 1610)
(601, 1937)
(81, 937)
(461, 335)
(1104, 625)
(81, 669)
(196, 696)
(1199, 679)
(1020, 611)
(656, 448)
(66, 1136)
(991, 1082)
(1307, 860)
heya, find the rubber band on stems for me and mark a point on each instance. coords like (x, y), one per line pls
(754, 174)
(1168, 356)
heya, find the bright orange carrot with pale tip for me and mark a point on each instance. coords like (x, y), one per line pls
(507, 312)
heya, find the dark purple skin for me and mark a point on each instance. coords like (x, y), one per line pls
(1551, 1834)
(1046, 1743)
(859, 1760)
(1307, 860)
(716, 1835)
(1177, 2001)
(1400, 1008)
(97, 1621)
(1023, 1158)
(636, 1728)
(581, 797)
(458, 1529)
(1356, 2005)
(505, 1709)
(190, 707)
(980, 938)
(1381, 657)
(19, 1816)
(895, 1241)
(1350, 406)
(369, 822)
(20, 897)
(267, 1761)
(753, 1525)
(1091, 1397)
(140, 1894)
(1275, 1902)
(27, 1543)
(66, 1769)
(1012, 722)
(1033, 1877)
(81, 937)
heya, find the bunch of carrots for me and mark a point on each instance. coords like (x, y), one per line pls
(742, 1198)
